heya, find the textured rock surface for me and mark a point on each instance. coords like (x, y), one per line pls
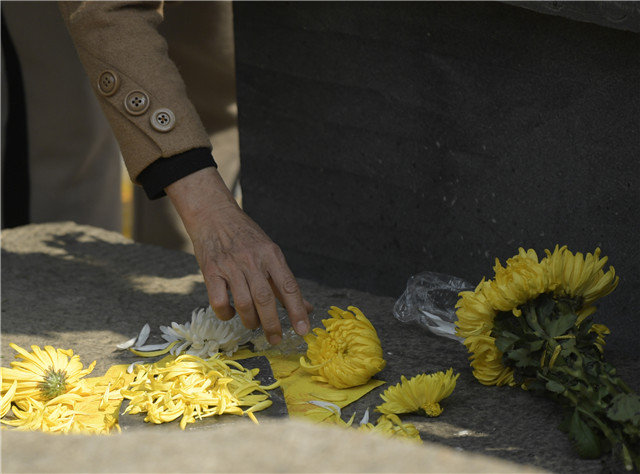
(87, 289)
(382, 139)
(270, 447)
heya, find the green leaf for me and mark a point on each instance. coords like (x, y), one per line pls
(522, 358)
(558, 326)
(568, 345)
(531, 318)
(624, 407)
(536, 345)
(555, 387)
(506, 340)
(587, 443)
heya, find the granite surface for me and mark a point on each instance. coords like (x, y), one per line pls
(383, 139)
(84, 288)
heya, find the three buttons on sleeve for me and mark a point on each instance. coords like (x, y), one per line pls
(136, 102)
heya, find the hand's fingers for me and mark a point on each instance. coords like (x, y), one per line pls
(243, 301)
(219, 298)
(265, 303)
(286, 289)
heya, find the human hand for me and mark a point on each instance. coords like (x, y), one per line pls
(235, 254)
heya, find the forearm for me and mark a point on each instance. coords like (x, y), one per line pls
(122, 39)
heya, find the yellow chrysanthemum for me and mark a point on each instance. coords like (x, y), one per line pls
(421, 393)
(7, 398)
(390, 425)
(475, 314)
(486, 361)
(193, 388)
(43, 374)
(67, 413)
(523, 279)
(577, 276)
(48, 393)
(348, 353)
(475, 321)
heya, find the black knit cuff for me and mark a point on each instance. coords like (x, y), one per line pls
(165, 171)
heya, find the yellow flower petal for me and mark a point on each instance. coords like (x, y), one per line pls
(347, 354)
(5, 403)
(421, 393)
(522, 279)
(191, 388)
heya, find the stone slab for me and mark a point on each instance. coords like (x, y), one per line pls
(383, 139)
(271, 447)
(84, 288)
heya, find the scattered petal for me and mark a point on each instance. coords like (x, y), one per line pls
(191, 388)
(332, 407)
(143, 336)
(127, 344)
(365, 418)
(133, 364)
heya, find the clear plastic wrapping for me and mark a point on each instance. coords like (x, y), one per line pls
(430, 300)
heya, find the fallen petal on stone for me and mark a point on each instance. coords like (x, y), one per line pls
(153, 347)
(133, 364)
(153, 350)
(365, 418)
(143, 336)
(127, 344)
(327, 406)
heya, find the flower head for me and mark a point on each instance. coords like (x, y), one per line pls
(475, 314)
(205, 335)
(43, 375)
(421, 393)
(347, 352)
(577, 276)
(47, 391)
(521, 280)
(475, 323)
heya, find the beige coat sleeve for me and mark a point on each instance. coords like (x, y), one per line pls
(138, 86)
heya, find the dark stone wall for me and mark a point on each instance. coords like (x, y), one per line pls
(379, 140)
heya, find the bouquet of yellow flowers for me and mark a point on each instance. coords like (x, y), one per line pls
(532, 326)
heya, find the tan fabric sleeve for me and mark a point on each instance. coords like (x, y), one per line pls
(123, 37)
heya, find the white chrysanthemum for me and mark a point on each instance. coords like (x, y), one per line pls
(205, 335)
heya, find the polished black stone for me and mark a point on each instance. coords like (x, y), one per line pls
(379, 140)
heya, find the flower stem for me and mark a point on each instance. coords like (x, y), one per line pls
(603, 412)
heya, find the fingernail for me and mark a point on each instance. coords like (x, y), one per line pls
(275, 339)
(302, 327)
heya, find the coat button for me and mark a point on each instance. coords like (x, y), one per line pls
(163, 120)
(108, 83)
(136, 102)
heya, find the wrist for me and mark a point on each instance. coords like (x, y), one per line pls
(156, 177)
(201, 197)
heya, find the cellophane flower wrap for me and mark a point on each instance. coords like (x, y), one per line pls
(533, 326)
